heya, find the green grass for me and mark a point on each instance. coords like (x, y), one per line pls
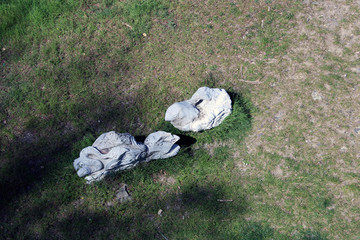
(138, 15)
(72, 70)
(28, 21)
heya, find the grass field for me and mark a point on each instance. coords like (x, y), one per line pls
(284, 165)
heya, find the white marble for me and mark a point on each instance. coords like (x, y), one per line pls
(112, 152)
(161, 145)
(206, 109)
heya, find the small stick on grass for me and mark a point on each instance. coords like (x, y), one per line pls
(128, 25)
(224, 200)
(163, 235)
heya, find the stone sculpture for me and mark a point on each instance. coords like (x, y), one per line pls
(206, 109)
(113, 152)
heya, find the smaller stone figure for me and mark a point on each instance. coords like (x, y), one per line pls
(206, 109)
(113, 152)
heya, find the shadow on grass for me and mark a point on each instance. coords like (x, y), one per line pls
(311, 235)
(184, 142)
(213, 211)
(195, 212)
(79, 224)
(197, 207)
(38, 166)
(29, 157)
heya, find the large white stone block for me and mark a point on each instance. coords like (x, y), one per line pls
(113, 152)
(206, 109)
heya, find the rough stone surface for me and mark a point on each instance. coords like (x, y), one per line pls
(161, 145)
(123, 195)
(316, 96)
(206, 109)
(357, 130)
(113, 152)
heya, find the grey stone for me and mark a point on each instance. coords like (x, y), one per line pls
(161, 145)
(112, 152)
(206, 109)
(343, 149)
(357, 130)
(316, 96)
(123, 195)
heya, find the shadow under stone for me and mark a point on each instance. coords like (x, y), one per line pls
(184, 141)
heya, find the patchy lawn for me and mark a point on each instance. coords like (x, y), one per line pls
(284, 165)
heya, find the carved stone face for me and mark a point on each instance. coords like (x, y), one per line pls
(110, 152)
(87, 167)
(206, 109)
(126, 156)
(113, 152)
(181, 114)
(88, 162)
